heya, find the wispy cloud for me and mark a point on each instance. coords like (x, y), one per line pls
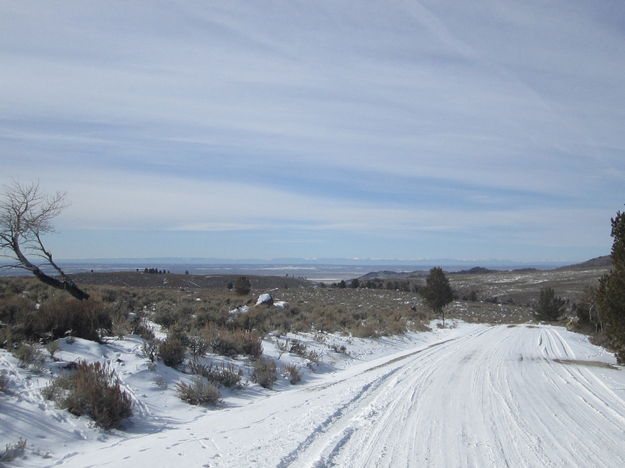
(388, 120)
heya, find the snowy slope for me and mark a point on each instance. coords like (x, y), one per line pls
(471, 396)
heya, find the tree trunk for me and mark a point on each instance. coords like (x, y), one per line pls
(65, 283)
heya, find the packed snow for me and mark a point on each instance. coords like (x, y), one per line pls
(469, 395)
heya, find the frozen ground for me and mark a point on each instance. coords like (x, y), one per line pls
(474, 395)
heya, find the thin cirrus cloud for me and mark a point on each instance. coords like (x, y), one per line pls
(384, 119)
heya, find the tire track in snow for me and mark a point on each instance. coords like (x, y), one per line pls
(492, 398)
(325, 443)
(335, 416)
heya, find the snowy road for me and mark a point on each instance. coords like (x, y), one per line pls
(490, 396)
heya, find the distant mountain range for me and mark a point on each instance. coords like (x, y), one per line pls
(598, 262)
(423, 263)
(322, 269)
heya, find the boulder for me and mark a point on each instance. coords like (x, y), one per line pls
(264, 299)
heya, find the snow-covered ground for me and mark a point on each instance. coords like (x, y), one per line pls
(473, 395)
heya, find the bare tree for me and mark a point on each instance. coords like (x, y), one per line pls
(25, 215)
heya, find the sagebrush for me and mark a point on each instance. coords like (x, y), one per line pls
(223, 374)
(12, 451)
(92, 390)
(264, 372)
(198, 392)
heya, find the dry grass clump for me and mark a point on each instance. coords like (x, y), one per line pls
(233, 342)
(264, 372)
(14, 307)
(92, 390)
(171, 351)
(365, 330)
(26, 286)
(360, 312)
(124, 322)
(53, 318)
(299, 349)
(198, 392)
(15, 314)
(83, 319)
(167, 315)
(489, 312)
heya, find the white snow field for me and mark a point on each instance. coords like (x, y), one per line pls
(474, 395)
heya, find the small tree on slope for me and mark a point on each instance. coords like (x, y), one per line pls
(611, 292)
(437, 291)
(242, 285)
(550, 307)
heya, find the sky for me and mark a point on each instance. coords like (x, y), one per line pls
(355, 129)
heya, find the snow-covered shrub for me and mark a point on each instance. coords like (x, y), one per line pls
(141, 328)
(150, 349)
(299, 349)
(12, 451)
(171, 351)
(233, 342)
(52, 347)
(199, 392)
(291, 371)
(4, 383)
(92, 390)
(225, 374)
(312, 356)
(341, 349)
(160, 382)
(198, 347)
(29, 356)
(264, 372)
(125, 322)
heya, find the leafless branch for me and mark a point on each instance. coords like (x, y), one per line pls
(26, 214)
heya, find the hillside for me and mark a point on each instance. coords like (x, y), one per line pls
(167, 280)
(597, 262)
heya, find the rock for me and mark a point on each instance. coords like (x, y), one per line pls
(265, 299)
(239, 310)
